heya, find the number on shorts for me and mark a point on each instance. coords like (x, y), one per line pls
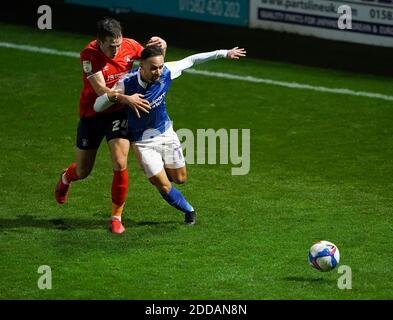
(124, 124)
(116, 125)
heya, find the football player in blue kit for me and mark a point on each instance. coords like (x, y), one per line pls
(153, 139)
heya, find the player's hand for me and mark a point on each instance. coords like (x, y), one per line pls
(157, 41)
(236, 53)
(137, 103)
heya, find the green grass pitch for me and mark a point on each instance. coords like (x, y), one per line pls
(321, 168)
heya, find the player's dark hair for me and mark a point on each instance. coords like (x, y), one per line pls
(151, 51)
(108, 27)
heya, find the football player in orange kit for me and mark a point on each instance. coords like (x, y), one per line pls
(104, 61)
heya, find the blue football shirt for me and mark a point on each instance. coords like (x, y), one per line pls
(157, 121)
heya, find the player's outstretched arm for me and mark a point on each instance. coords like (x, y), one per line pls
(176, 67)
(236, 53)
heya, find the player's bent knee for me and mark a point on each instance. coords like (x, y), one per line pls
(180, 179)
(164, 189)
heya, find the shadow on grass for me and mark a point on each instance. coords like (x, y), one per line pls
(307, 279)
(30, 221)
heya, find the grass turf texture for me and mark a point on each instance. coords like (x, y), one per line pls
(321, 168)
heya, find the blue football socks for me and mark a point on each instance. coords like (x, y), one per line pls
(177, 200)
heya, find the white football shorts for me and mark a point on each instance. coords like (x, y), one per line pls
(161, 151)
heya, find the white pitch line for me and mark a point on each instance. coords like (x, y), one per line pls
(293, 85)
(26, 47)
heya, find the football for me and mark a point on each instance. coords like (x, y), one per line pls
(323, 256)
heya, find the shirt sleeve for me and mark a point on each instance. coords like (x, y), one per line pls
(102, 102)
(176, 67)
(91, 64)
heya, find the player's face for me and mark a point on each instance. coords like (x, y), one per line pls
(152, 68)
(110, 47)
